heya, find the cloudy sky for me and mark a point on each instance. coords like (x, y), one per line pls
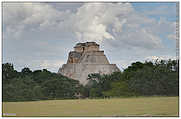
(40, 35)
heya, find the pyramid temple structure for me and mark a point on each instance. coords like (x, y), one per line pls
(86, 59)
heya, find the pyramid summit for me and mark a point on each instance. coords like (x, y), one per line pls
(86, 59)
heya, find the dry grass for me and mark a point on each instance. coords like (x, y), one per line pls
(142, 106)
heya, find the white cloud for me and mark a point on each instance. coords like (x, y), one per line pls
(172, 37)
(47, 32)
(20, 17)
(92, 20)
(154, 58)
(51, 64)
(123, 64)
(90, 23)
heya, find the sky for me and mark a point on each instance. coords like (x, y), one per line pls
(40, 35)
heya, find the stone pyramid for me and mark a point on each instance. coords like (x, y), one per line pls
(86, 59)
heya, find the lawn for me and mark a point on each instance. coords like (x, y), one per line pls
(140, 106)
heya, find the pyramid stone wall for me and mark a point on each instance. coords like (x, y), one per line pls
(86, 59)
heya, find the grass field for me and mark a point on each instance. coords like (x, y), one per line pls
(141, 106)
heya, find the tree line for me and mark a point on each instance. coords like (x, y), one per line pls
(140, 79)
(160, 78)
(30, 85)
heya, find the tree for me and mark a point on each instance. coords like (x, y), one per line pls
(95, 92)
(8, 71)
(135, 66)
(118, 89)
(59, 88)
(26, 71)
(38, 93)
(144, 79)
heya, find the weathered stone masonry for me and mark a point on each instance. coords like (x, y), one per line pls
(86, 59)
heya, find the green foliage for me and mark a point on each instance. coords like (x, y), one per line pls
(18, 89)
(139, 79)
(58, 88)
(38, 93)
(26, 71)
(118, 89)
(8, 72)
(37, 85)
(135, 66)
(95, 92)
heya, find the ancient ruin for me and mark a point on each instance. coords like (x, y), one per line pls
(86, 59)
